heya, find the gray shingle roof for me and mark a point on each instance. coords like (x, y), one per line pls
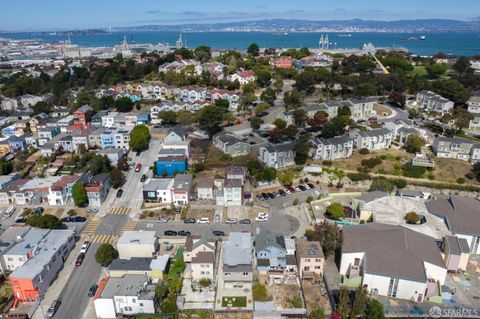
(284, 147)
(342, 139)
(265, 239)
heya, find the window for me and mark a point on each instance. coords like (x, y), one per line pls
(134, 300)
(307, 260)
(10, 259)
(245, 273)
(141, 304)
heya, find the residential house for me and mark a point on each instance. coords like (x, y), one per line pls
(9, 104)
(107, 139)
(95, 138)
(363, 107)
(197, 244)
(433, 102)
(113, 154)
(457, 148)
(230, 144)
(373, 140)
(81, 117)
(474, 125)
(60, 193)
(205, 186)
(474, 104)
(137, 244)
(277, 155)
(6, 180)
(30, 100)
(9, 131)
(456, 253)
(182, 189)
(202, 266)
(154, 268)
(402, 129)
(310, 258)
(169, 165)
(392, 261)
(46, 134)
(358, 203)
(285, 62)
(243, 77)
(270, 251)
(17, 144)
(237, 266)
(233, 192)
(461, 217)
(37, 120)
(35, 261)
(332, 148)
(122, 137)
(237, 172)
(158, 190)
(97, 188)
(126, 296)
(65, 122)
(9, 239)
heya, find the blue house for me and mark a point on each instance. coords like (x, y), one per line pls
(143, 118)
(8, 131)
(107, 139)
(270, 251)
(17, 143)
(170, 165)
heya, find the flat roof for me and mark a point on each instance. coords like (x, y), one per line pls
(138, 237)
(128, 285)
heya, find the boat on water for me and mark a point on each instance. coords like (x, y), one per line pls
(420, 38)
(345, 35)
(280, 34)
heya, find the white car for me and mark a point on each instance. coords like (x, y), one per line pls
(262, 217)
(296, 188)
(231, 221)
(203, 220)
(287, 191)
(162, 220)
(85, 246)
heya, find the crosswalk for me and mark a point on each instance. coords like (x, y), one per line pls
(129, 225)
(103, 239)
(92, 226)
(119, 211)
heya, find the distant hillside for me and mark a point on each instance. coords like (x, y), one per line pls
(309, 25)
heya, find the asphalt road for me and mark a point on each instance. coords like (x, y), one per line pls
(74, 294)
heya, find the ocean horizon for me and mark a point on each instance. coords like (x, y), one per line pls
(454, 43)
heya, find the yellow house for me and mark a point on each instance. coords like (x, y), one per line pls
(154, 268)
(4, 148)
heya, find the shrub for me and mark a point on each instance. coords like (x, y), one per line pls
(46, 221)
(306, 179)
(381, 184)
(205, 282)
(381, 171)
(413, 171)
(383, 157)
(371, 162)
(259, 292)
(297, 301)
(72, 212)
(400, 183)
(336, 211)
(295, 201)
(412, 218)
(461, 180)
(364, 151)
(309, 198)
(470, 175)
(327, 163)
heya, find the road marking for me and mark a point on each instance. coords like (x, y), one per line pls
(103, 239)
(92, 226)
(129, 225)
(119, 211)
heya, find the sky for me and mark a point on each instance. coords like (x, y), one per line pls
(36, 15)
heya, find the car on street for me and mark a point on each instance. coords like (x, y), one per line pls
(260, 197)
(162, 220)
(306, 186)
(138, 167)
(170, 233)
(184, 233)
(9, 212)
(78, 219)
(189, 221)
(20, 220)
(265, 196)
(311, 186)
(262, 217)
(292, 190)
(231, 221)
(38, 211)
(218, 233)
(282, 192)
(52, 310)
(119, 193)
(85, 246)
(91, 210)
(288, 191)
(297, 189)
(80, 259)
(302, 188)
(271, 195)
(92, 290)
(245, 221)
(143, 178)
(262, 114)
(203, 220)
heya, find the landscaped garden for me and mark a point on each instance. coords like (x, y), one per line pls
(239, 301)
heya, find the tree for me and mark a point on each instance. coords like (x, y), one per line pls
(292, 99)
(139, 137)
(381, 184)
(116, 177)
(359, 303)
(268, 95)
(412, 218)
(123, 165)
(299, 115)
(335, 128)
(99, 164)
(316, 313)
(186, 118)
(124, 104)
(275, 134)
(45, 221)
(318, 120)
(203, 53)
(398, 98)
(336, 211)
(436, 70)
(263, 75)
(279, 123)
(210, 118)
(414, 143)
(452, 90)
(223, 103)
(5, 167)
(253, 49)
(302, 149)
(269, 174)
(343, 307)
(79, 194)
(329, 236)
(374, 310)
(290, 131)
(168, 117)
(255, 122)
(462, 66)
(105, 254)
(286, 177)
(305, 80)
(42, 107)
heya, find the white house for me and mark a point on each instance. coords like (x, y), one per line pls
(392, 261)
(137, 244)
(332, 148)
(474, 104)
(373, 140)
(277, 155)
(128, 295)
(433, 102)
(233, 192)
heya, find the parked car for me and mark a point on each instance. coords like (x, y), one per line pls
(9, 212)
(78, 219)
(245, 222)
(311, 185)
(297, 189)
(170, 233)
(260, 197)
(119, 193)
(138, 167)
(85, 246)
(92, 290)
(262, 217)
(218, 233)
(203, 220)
(292, 190)
(265, 196)
(162, 220)
(277, 194)
(143, 178)
(306, 186)
(288, 191)
(38, 211)
(231, 221)
(189, 221)
(91, 210)
(302, 188)
(271, 195)
(184, 233)
(282, 192)
(66, 219)
(20, 220)
(80, 259)
(53, 308)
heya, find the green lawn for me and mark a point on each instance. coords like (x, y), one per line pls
(419, 70)
(234, 301)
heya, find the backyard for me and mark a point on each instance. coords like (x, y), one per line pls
(238, 301)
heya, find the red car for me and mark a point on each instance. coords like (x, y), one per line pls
(138, 167)
(80, 259)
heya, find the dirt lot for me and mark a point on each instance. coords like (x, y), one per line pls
(246, 315)
(283, 294)
(196, 212)
(156, 213)
(449, 170)
(381, 110)
(316, 295)
(392, 164)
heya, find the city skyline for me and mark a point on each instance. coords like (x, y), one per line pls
(61, 15)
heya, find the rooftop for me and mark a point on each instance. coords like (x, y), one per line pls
(128, 285)
(309, 249)
(137, 238)
(237, 250)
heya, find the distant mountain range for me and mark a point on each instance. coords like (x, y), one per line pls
(310, 25)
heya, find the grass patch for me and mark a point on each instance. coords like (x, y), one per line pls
(234, 301)
(419, 70)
